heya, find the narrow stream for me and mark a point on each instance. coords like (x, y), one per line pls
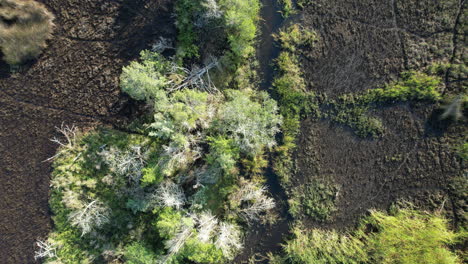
(268, 238)
(271, 21)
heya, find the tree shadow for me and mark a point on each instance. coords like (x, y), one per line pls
(435, 126)
(140, 23)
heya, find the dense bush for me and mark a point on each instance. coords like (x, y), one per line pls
(176, 190)
(405, 237)
(241, 17)
(26, 37)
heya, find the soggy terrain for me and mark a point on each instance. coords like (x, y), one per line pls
(415, 158)
(75, 81)
(363, 45)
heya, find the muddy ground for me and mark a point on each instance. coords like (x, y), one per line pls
(75, 81)
(365, 44)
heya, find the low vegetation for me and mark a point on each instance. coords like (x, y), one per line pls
(352, 109)
(315, 199)
(290, 89)
(287, 7)
(405, 236)
(25, 26)
(182, 184)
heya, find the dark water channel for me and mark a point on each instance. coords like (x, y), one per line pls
(267, 51)
(268, 238)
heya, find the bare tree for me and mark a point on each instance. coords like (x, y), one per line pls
(198, 78)
(70, 134)
(229, 240)
(162, 44)
(95, 214)
(207, 225)
(169, 194)
(45, 250)
(212, 9)
(175, 244)
(126, 163)
(254, 201)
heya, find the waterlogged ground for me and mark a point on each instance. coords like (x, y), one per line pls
(363, 45)
(75, 81)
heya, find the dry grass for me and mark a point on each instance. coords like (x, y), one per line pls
(25, 25)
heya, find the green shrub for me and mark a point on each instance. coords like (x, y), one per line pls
(288, 8)
(324, 247)
(462, 151)
(316, 199)
(413, 85)
(26, 37)
(295, 37)
(136, 253)
(251, 120)
(187, 37)
(295, 103)
(168, 222)
(352, 110)
(404, 237)
(241, 18)
(409, 237)
(202, 253)
(145, 80)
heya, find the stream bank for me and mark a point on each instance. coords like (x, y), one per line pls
(268, 238)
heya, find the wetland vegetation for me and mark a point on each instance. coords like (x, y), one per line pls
(352, 153)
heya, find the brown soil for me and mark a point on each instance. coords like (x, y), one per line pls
(75, 81)
(365, 44)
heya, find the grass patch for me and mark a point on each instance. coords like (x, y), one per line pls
(290, 89)
(352, 110)
(24, 37)
(405, 236)
(287, 8)
(316, 199)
